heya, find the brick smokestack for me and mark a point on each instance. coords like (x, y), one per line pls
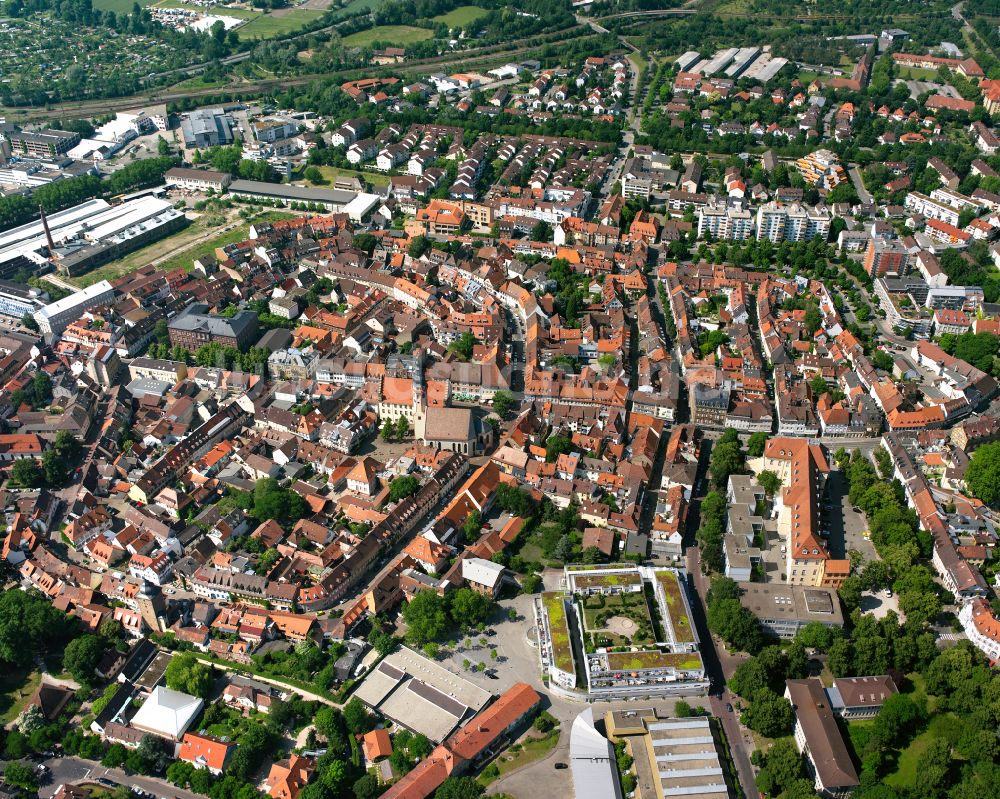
(48, 233)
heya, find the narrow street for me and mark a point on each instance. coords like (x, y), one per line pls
(719, 666)
(67, 770)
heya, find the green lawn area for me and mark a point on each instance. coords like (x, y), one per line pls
(461, 16)
(118, 6)
(355, 7)
(331, 173)
(185, 260)
(905, 774)
(389, 34)
(199, 82)
(857, 733)
(918, 73)
(807, 77)
(532, 749)
(16, 688)
(278, 23)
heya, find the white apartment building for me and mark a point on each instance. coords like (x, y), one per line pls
(725, 222)
(931, 208)
(777, 222)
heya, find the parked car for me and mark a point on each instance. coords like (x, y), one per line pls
(560, 766)
(729, 707)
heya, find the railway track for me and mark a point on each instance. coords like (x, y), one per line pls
(264, 85)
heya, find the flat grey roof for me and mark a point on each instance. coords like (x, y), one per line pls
(287, 192)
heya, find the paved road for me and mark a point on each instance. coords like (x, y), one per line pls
(66, 770)
(719, 665)
(859, 184)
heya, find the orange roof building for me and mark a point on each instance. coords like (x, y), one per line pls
(376, 744)
(460, 752)
(802, 468)
(288, 777)
(204, 751)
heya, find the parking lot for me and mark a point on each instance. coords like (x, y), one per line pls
(846, 527)
(517, 660)
(878, 603)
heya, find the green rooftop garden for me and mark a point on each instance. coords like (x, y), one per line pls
(631, 661)
(679, 618)
(562, 648)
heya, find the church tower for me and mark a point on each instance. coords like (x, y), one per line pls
(152, 606)
(419, 395)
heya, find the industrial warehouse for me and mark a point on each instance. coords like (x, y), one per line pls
(87, 235)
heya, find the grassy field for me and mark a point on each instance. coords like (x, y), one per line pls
(918, 73)
(806, 77)
(331, 173)
(389, 34)
(278, 23)
(118, 6)
(354, 7)
(182, 240)
(461, 16)
(907, 770)
(532, 749)
(144, 255)
(16, 688)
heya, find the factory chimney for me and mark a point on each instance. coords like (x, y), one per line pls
(48, 233)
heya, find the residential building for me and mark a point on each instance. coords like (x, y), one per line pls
(819, 740)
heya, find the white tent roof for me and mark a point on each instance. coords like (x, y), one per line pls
(592, 760)
(168, 713)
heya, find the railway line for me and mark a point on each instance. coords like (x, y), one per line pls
(255, 87)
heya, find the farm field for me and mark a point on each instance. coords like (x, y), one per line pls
(278, 23)
(118, 6)
(462, 15)
(391, 34)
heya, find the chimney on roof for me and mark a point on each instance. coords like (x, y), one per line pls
(48, 233)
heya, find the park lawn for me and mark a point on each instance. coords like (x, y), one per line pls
(216, 11)
(532, 750)
(390, 34)
(908, 764)
(278, 23)
(118, 6)
(918, 73)
(331, 173)
(857, 734)
(16, 688)
(461, 16)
